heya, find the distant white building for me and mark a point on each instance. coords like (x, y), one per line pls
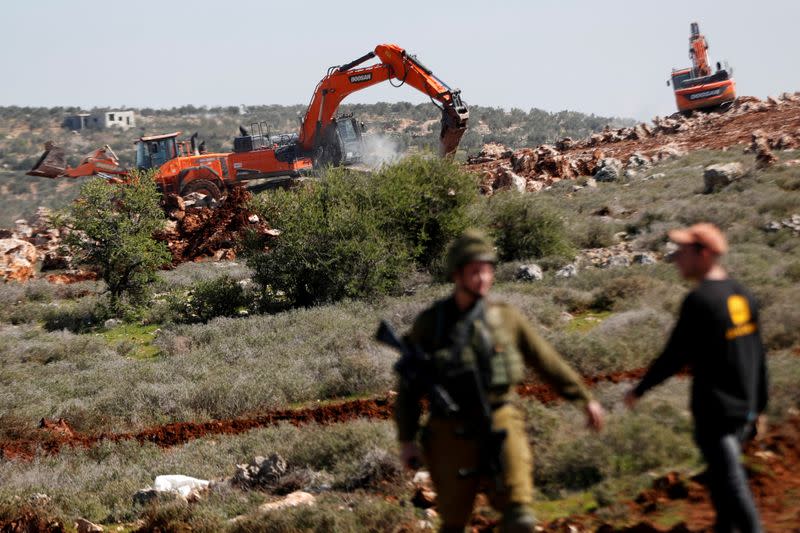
(106, 119)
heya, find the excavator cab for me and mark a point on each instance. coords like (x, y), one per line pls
(340, 143)
(154, 151)
(348, 132)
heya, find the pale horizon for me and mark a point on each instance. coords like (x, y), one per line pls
(611, 61)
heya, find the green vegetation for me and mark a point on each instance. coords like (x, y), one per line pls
(525, 227)
(202, 358)
(113, 226)
(356, 235)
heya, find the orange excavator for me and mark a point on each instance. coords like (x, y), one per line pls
(698, 87)
(324, 138)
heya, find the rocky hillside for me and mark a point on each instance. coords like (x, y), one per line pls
(762, 126)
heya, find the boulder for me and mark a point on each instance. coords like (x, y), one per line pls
(565, 144)
(291, 500)
(507, 179)
(720, 175)
(17, 260)
(669, 151)
(196, 199)
(523, 161)
(22, 229)
(261, 471)
(490, 152)
(609, 169)
(530, 272)
(644, 258)
(569, 271)
(183, 485)
(84, 526)
(637, 160)
(111, 323)
(618, 261)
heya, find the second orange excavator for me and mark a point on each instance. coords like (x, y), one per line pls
(698, 87)
(323, 139)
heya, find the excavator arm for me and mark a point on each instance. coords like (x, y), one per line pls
(344, 80)
(698, 52)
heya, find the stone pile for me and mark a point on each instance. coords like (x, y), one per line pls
(261, 472)
(792, 223)
(27, 245)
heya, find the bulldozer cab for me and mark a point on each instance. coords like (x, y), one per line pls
(154, 151)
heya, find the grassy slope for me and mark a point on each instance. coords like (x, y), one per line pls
(230, 367)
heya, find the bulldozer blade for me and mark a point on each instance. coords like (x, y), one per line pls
(52, 163)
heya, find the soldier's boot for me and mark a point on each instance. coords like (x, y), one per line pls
(518, 518)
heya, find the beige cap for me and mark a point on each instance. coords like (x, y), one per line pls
(705, 234)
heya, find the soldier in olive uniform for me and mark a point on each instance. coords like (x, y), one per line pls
(497, 341)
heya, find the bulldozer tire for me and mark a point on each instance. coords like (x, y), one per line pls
(202, 186)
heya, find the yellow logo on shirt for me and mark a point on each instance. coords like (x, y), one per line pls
(739, 310)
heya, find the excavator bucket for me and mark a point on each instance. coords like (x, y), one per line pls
(52, 163)
(454, 124)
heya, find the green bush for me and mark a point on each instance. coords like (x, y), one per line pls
(207, 299)
(115, 223)
(356, 236)
(524, 227)
(331, 244)
(423, 201)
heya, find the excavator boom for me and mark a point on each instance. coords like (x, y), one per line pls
(396, 64)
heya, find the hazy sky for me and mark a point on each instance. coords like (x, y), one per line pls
(609, 57)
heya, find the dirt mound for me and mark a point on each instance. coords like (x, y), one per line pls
(761, 126)
(196, 232)
(53, 436)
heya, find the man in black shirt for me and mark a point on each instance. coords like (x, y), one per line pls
(717, 336)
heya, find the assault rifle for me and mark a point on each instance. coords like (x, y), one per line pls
(415, 367)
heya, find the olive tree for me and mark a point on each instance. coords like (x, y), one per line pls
(114, 225)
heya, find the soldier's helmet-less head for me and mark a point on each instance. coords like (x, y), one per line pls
(472, 245)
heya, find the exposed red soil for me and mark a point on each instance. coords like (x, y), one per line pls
(771, 462)
(66, 278)
(55, 435)
(31, 522)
